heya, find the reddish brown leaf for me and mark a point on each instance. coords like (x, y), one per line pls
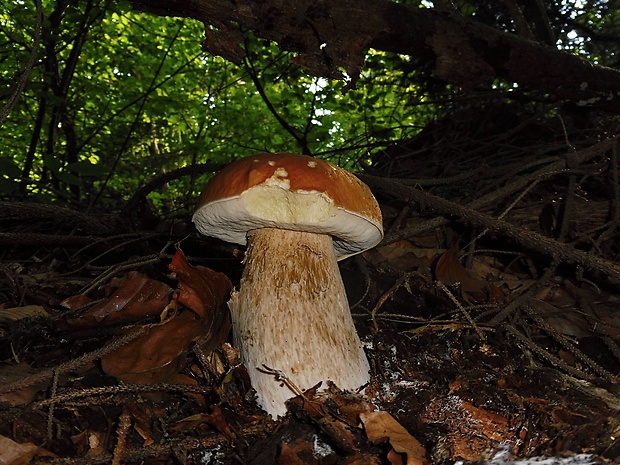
(137, 298)
(217, 420)
(289, 454)
(157, 355)
(310, 451)
(362, 459)
(450, 272)
(200, 289)
(381, 427)
(318, 409)
(76, 301)
(395, 458)
(13, 453)
(401, 255)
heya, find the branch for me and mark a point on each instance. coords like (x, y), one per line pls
(333, 36)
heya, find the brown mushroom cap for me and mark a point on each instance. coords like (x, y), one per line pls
(290, 191)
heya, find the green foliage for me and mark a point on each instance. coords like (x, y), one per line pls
(118, 97)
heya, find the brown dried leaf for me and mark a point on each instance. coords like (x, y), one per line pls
(76, 301)
(137, 298)
(10, 315)
(401, 255)
(450, 272)
(24, 395)
(291, 454)
(315, 407)
(158, 354)
(471, 430)
(362, 459)
(14, 453)
(144, 418)
(381, 427)
(200, 289)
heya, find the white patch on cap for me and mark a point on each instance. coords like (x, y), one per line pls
(279, 178)
(271, 163)
(312, 164)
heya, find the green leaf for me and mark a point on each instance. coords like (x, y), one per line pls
(9, 168)
(87, 168)
(68, 178)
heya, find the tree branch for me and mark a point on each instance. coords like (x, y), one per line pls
(334, 36)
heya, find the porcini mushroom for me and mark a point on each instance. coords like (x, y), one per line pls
(298, 216)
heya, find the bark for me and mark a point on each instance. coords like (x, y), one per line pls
(330, 36)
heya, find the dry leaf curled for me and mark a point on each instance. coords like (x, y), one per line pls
(381, 427)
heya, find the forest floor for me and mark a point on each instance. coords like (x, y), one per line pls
(490, 316)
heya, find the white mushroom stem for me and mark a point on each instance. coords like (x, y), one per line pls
(291, 314)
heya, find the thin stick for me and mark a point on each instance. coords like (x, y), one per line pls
(123, 429)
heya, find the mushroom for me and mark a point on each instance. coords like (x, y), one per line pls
(298, 216)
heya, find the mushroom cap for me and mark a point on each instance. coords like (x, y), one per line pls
(290, 191)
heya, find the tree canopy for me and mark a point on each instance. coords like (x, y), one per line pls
(115, 98)
(100, 98)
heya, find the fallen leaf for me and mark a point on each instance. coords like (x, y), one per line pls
(290, 453)
(471, 430)
(14, 453)
(137, 298)
(316, 407)
(200, 289)
(10, 315)
(449, 271)
(76, 301)
(381, 427)
(158, 354)
(24, 395)
(402, 255)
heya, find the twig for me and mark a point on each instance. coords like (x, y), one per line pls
(23, 79)
(361, 265)
(89, 357)
(530, 239)
(513, 306)
(521, 25)
(389, 294)
(111, 271)
(563, 341)
(21, 210)
(50, 413)
(120, 389)
(456, 302)
(123, 428)
(165, 178)
(524, 340)
(280, 376)
(555, 164)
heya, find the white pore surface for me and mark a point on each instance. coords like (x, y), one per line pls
(273, 205)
